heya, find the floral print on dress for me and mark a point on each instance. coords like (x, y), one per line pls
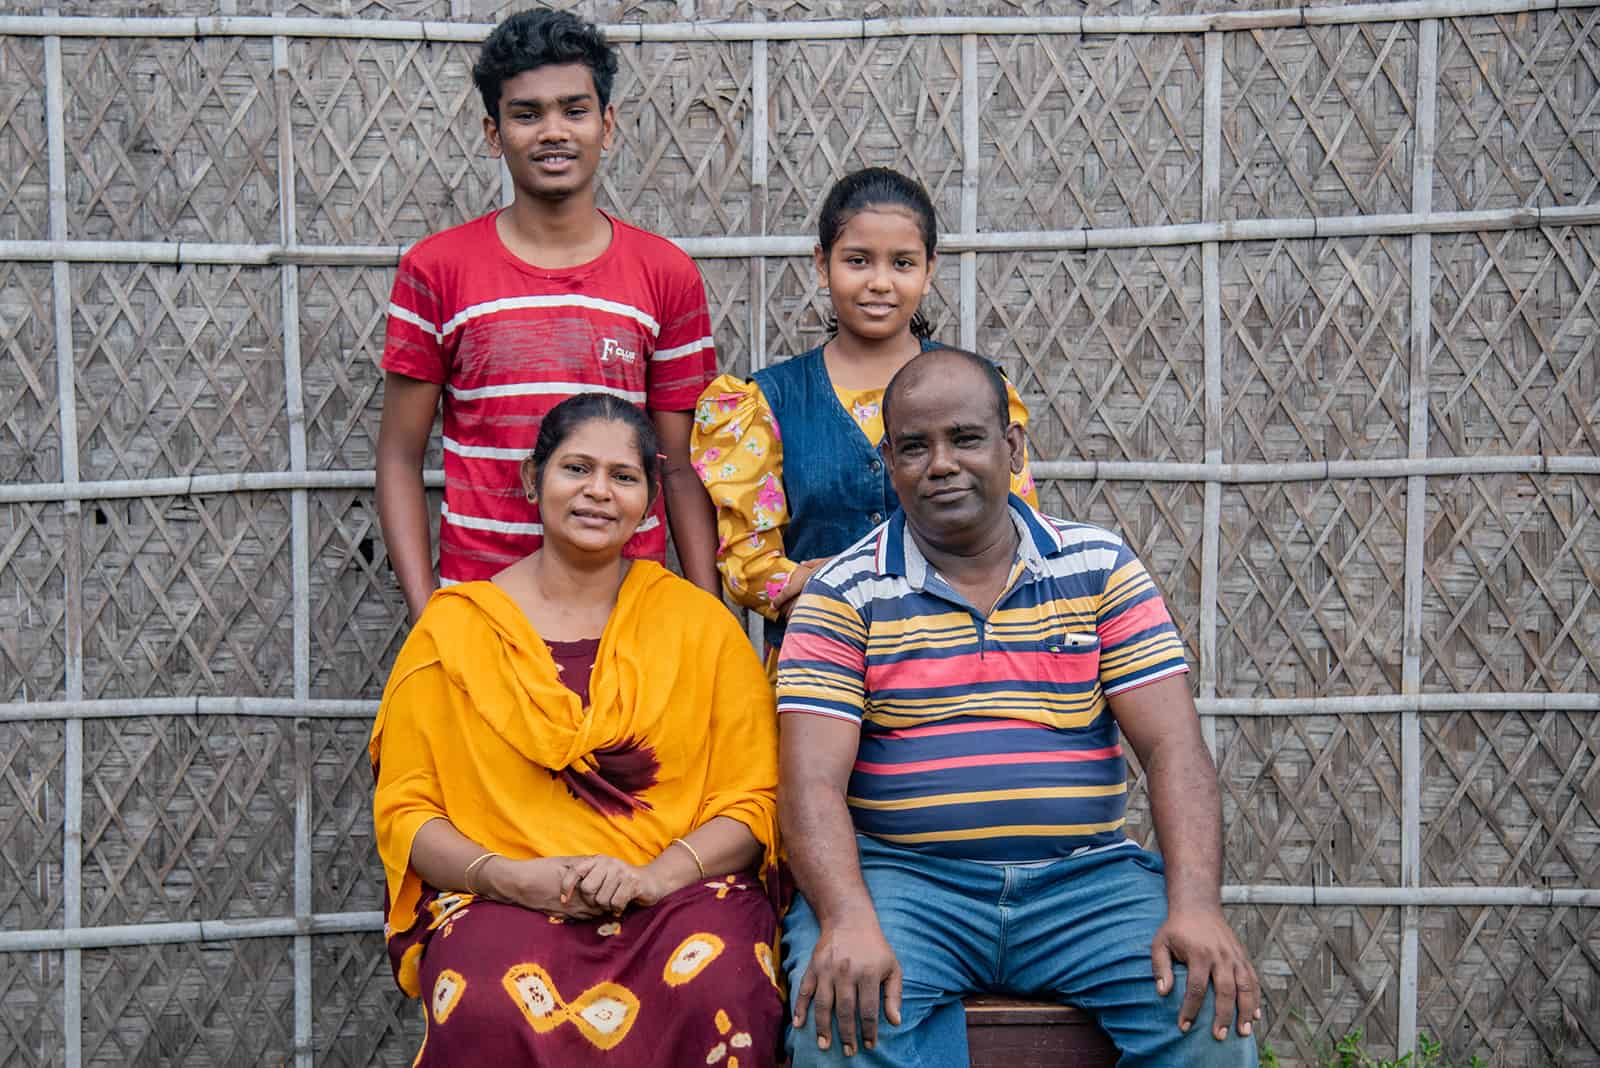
(737, 450)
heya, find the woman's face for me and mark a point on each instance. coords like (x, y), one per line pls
(877, 272)
(593, 492)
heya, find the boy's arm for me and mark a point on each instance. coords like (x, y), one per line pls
(409, 405)
(690, 517)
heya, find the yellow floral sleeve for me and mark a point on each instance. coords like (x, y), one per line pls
(738, 454)
(1022, 482)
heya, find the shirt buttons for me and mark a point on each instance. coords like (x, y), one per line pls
(876, 517)
(876, 465)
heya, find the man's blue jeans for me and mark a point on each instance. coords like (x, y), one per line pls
(1077, 931)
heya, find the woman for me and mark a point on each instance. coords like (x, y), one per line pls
(576, 770)
(778, 523)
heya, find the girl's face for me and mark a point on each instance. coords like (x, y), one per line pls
(878, 272)
(593, 492)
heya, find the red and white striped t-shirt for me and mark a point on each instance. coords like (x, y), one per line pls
(509, 341)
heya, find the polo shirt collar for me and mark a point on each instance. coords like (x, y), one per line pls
(898, 554)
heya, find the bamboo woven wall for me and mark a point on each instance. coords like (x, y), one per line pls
(1303, 301)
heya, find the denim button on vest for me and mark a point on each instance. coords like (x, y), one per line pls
(836, 483)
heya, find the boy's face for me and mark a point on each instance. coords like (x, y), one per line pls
(552, 130)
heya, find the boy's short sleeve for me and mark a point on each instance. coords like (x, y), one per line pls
(1138, 642)
(822, 670)
(411, 344)
(685, 358)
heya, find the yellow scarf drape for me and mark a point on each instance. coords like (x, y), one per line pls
(475, 720)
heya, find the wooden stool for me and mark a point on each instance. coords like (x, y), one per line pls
(1032, 1034)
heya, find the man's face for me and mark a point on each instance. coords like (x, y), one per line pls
(552, 130)
(949, 458)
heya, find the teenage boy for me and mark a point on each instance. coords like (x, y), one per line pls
(506, 316)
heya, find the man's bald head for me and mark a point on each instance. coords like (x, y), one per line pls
(942, 359)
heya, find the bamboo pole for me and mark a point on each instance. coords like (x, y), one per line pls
(971, 173)
(330, 923)
(1211, 300)
(818, 30)
(1416, 523)
(355, 708)
(177, 253)
(66, 397)
(1044, 470)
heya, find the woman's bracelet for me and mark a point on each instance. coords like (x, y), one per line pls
(466, 876)
(693, 853)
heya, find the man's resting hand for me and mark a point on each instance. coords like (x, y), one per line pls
(851, 961)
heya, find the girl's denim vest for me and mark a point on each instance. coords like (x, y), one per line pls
(836, 482)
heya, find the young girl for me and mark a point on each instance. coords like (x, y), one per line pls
(778, 523)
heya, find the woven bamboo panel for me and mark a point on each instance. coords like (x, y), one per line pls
(1511, 800)
(180, 369)
(359, 1017)
(1518, 120)
(343, 312)
(1161, 521)
(1318, 121)
(30, 1009)
(187, 818)
(1104, 346)
(191, 1005)
(1103, 132)
(345, 874)
(1324, 972)
(33, 601)
(1511, 570)
(797, 308)
(1515, 984)
(728, 287)
(32, 784)
(839, 105)
(24, 171)
(30, 426)
(389, 141)
(1311, 588)
(358, 615)
(1315, 343)
(187, 595)
(1514, 366)
(1310, 800)
(681, 161)
(170, 139)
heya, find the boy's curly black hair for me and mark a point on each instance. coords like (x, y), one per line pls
(532, 39)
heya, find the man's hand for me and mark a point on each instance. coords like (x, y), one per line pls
(849, 965)
(1203, 941)
(611, 885)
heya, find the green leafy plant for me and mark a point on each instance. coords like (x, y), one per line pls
(1349, 1052)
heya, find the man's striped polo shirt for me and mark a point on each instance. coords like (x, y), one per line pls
(986, 739)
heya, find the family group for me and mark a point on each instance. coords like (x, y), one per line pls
(610, 832)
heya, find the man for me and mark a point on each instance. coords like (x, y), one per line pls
(953, 691)
(506, 316)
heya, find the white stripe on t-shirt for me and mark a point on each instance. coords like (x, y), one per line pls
(682, 350)
(406, 315)
(553, 300)
(501, 526)
(543, 389)
(484, 452)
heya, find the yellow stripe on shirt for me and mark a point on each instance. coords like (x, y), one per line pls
(978, 796)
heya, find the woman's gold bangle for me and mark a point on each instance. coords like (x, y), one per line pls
(693, 853)
(466, 876)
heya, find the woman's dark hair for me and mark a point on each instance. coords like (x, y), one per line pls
(532, 39)
(878, 187)
(564, 419)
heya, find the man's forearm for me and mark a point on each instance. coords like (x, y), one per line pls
(403, 517)
(821, 841)
(693, 523)
(1187, 811)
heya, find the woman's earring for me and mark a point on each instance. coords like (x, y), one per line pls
(530, 495)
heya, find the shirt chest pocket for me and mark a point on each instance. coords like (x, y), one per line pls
(1071, 657)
